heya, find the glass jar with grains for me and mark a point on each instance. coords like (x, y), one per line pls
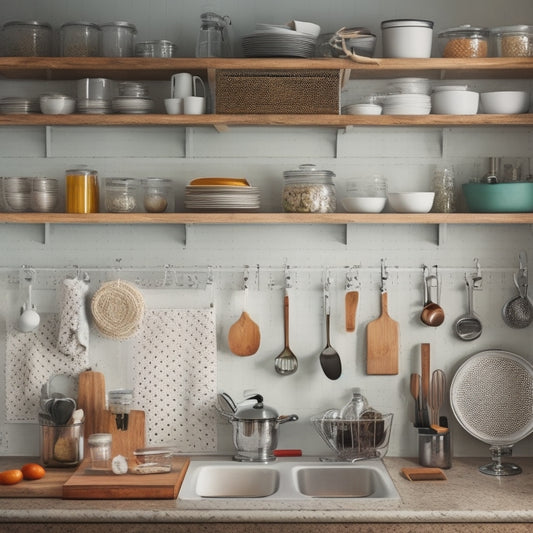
(26, 38)
(309, 190)
(82, 191)
(444, 187)
(464, 41)
(120, 195)
(79, 39)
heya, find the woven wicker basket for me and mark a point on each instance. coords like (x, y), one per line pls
(301, 92)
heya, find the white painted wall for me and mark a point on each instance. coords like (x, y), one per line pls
(406, 157)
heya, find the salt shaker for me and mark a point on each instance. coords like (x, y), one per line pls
(444, 187)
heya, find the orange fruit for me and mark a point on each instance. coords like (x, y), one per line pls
(33, 471)
(10, 477)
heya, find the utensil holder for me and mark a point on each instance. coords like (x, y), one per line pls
(434, 450)
(61, 446)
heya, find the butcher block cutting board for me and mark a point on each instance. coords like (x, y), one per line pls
(50, 486)
(84, 484)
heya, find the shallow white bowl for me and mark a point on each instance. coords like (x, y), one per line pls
(505, 102)
(364, 204)
(57, 105)
(411, 202)
(454, 102)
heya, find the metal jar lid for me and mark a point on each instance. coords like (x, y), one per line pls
(309, 172)
(28, 23)
(256, 411)
(91, 25)
(400, 23)
(99, 439)
(465, 31)
(518, 29)
(120, 24)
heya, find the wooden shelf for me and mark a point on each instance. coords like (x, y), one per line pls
(124, 68)
(266, 218)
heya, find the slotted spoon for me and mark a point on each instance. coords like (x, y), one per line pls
(286, 362)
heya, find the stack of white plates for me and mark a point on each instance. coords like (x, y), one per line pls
(362, 109)
(221, 194)
(132, 105)
(16, 194)
(278, 41)
(409, 86)
(407, 104)
(14, 105)
(96, 106)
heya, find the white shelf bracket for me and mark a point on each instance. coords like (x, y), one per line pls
(46, 233)
(442, 234)
(189, 230)
(48, 141)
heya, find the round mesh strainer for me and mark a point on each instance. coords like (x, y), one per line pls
(491, 396)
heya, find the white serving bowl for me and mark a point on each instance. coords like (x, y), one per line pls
(57, 104)
(310, 28)
(505, 102)
(364, 204)
(454, 102)
(411, 202)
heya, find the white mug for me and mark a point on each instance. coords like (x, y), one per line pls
(194, 105)
(184, 84)
(174, 106)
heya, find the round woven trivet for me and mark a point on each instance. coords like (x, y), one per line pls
(118, 309)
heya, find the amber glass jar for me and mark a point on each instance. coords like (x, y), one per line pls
(82, 191)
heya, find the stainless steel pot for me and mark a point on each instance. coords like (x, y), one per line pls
(255, 430)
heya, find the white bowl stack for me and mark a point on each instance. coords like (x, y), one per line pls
(16, 193)
(408, 96)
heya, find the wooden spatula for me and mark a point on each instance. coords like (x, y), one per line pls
(382, 342)
(350, 304)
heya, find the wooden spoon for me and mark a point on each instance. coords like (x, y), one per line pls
(244, 336)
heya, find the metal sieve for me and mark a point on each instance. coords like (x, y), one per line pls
(491, 396)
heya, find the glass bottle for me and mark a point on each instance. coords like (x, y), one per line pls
(82, 191)
(353, 409)
(444, 188)
(213, 39)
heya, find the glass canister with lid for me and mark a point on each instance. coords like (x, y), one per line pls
(26, 38)
(309, 190)
(117, 39)
(464, 41)
(82, 192)
(120, 195)
(157, 195)
(79, 39)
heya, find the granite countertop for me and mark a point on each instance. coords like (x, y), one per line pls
(466, 496)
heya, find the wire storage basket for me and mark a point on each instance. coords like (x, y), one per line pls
(353, 440)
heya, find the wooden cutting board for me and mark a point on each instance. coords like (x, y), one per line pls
(91, 398)
(50, 486)
(124, 441)
(382, 339)
(85, 485)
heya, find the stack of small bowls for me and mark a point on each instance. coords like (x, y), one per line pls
(365, 195)
(57, 104)
(44, 193)
(407, 96)
(16, 194)
(133, 98)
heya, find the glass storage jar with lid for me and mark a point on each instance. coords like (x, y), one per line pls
(117, 39)
(464, 41)
(157, 195)
(27, 38)
(120, 195)
(79, 39)
(309, 190)
(82, 193)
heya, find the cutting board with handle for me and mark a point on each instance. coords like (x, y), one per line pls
(91, 398)
(383, 342)
(84, 484)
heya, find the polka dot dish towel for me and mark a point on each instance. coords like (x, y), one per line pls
(175, 378)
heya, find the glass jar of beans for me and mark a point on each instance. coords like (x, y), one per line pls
(464, 41)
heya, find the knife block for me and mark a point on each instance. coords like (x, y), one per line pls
(125, 441)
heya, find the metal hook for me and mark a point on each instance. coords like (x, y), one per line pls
(352, 279)
(288, 283)
(477, 278)
(384, 275)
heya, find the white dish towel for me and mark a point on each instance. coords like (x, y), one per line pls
(175, 378)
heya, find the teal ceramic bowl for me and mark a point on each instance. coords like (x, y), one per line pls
(499, 197)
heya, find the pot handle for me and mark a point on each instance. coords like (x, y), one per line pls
(287, 418)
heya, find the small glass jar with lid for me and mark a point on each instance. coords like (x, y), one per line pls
(120, 195)
(26, 38)
(100, 450)
(117, 39)
(157, 195)
(161, 48)
(444, 187)
(309, 190)
(82, 192)
(79, 39)
(464, 41)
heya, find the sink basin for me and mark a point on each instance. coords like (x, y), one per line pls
(215, 481)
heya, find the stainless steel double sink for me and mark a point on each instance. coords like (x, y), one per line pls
(297, 480)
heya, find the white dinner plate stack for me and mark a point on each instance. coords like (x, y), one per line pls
(221, 194)
(14, 104)
(278, 41)
(96, 106)
(407, 104)
(132, 105)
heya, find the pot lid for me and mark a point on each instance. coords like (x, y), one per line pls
(255, 411)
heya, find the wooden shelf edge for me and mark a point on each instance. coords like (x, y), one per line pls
(267, 218)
